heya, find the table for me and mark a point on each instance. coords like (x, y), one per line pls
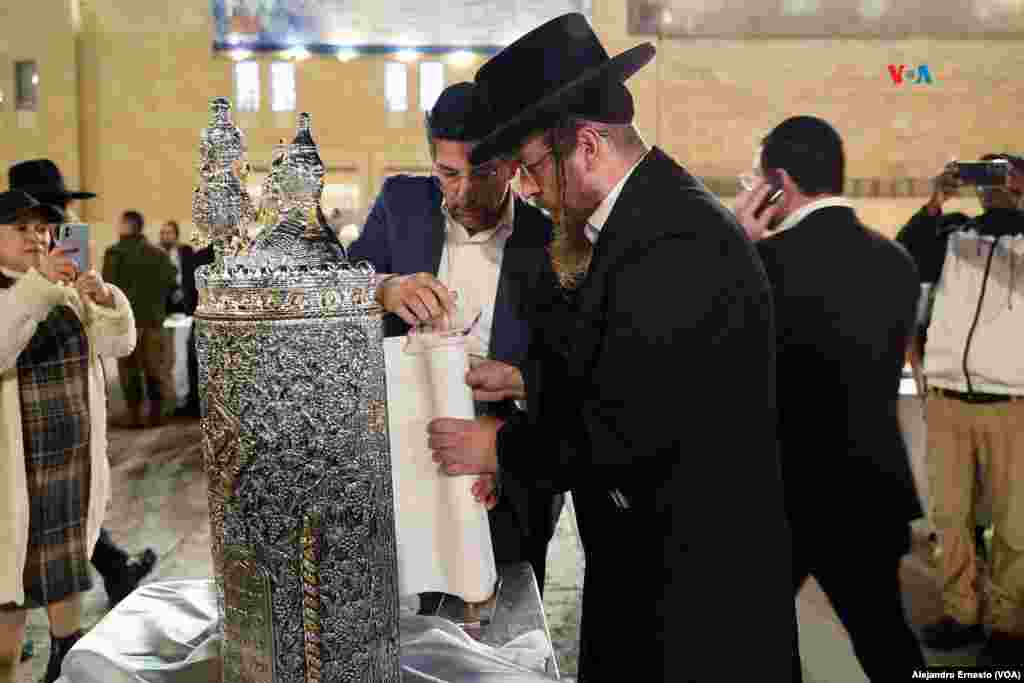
(179, 326)
(167, 632)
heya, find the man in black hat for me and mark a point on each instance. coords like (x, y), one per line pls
(42, 179)
(463, 230)
(847, 447)
(657, 318)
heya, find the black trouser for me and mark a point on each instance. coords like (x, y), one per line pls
(860, 576)
(108, 559)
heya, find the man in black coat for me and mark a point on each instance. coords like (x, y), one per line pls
(464, 230)
(845, 303)
(654, 319)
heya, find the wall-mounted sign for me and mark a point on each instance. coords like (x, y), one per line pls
(827, 18)
(326, 26)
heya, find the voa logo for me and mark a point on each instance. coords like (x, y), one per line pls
(901, 73)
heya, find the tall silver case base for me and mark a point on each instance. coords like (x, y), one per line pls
(296, 451)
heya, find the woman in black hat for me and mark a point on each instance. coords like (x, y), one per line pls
(42, 179)
(656, 310)
(58, 322)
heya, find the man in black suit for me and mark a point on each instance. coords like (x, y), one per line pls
(652, 312)
(181, 256)
(845, 303)
(463, 231)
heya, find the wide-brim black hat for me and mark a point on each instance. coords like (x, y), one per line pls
(43, 180)
(558, 68)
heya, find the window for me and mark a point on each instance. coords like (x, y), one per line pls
(395, 86)
(247, 86)
(26, 86)
(282, 86)
(431, 83)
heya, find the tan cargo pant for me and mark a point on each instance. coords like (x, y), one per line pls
(153, 360)
(970, 442)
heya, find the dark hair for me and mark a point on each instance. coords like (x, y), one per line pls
(457, 115)
(177, 228)
(135, 218)
(810, 151)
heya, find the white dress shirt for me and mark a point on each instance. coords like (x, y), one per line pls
(471, 266)
(175, 254)
(806, 210)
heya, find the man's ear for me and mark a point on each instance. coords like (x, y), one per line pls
(589, 141)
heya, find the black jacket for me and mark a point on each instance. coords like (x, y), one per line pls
(845, 300)
(657, 381)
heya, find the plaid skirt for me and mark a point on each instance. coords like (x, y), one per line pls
(53, 379)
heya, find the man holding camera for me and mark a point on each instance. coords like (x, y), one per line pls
(974, 379)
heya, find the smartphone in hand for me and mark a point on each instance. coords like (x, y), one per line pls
(774, 179)
(74, 237)
(993, 173)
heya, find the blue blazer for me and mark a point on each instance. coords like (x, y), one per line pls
(405, 233)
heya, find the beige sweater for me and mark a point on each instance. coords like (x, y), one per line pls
(111, 332)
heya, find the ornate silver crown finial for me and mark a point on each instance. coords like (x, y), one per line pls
(221, 207)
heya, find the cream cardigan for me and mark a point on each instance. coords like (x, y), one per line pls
(111, 332)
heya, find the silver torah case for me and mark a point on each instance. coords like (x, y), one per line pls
(292, 387)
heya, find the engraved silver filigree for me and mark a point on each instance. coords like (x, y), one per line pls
(295, 444)
(221, 206)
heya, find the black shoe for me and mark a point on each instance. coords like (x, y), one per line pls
(187, 412)
(129, 577)
(949, 634)
(1002, 649)
(59, 647)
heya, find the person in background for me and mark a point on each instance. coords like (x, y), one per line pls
(147, 276)
(181, 256)
(58, 322)
(836, 450)
(974, 406)
(121, 572)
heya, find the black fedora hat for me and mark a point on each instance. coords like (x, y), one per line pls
(558, 68)
(42, 179)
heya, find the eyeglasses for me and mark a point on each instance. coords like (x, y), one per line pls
(477, 174)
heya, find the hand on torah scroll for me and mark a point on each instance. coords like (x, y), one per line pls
(493, 380)
(442, 529)
(485, 490)
(465, 446)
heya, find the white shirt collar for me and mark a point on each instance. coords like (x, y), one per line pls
(13, 274)
(457, 232)
(600, 216)
(807, 209)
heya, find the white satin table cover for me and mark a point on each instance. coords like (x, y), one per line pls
(168, 632)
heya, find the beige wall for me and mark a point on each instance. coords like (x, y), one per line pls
(146, 72)
(52, 131)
